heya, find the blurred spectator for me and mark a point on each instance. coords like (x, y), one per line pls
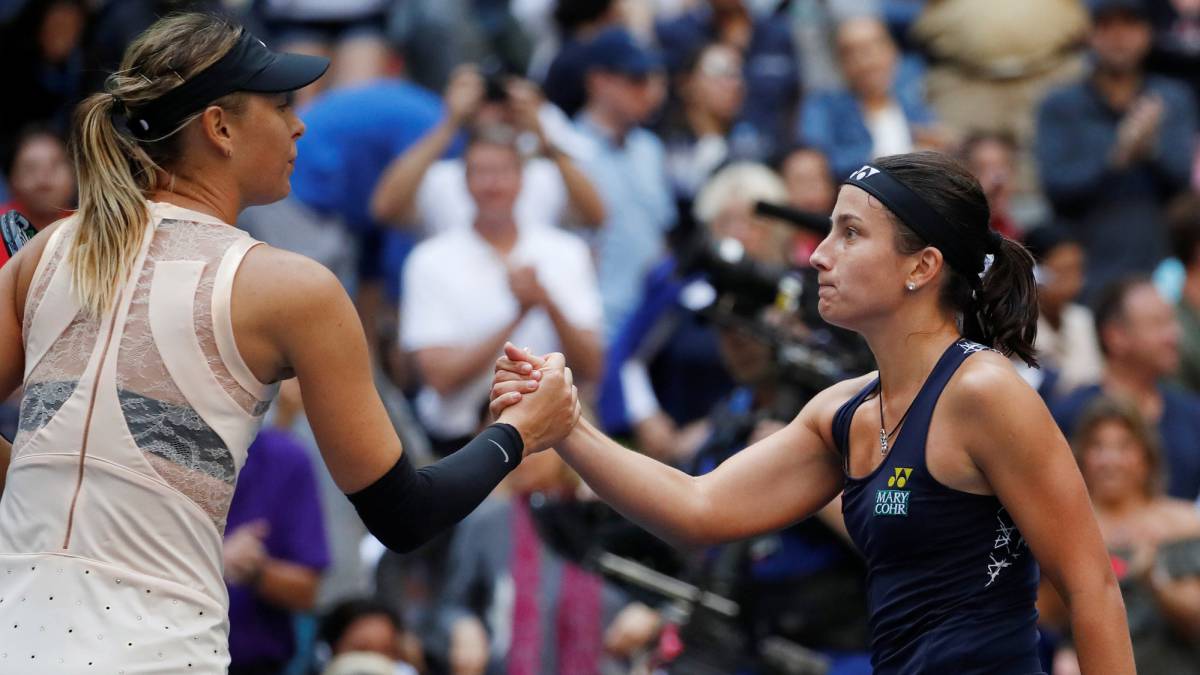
(512, 605)
(1176, 50)
(664, 371)
(352, 135)
(578, 22)
(703, 132)
(439, 35)
(1113, 148)
(419, 186)
(351, 32)
(993, 62)
(1121, 462)
(469, 290)
(881, 112)
(275, 550)
(811, 187)
(41, 178)
(992, 158)
(814, 23)
(1184, 217)
(358, 627)
(1139, 338)
(43, 64)
(625, 87)
(1066, 344)
(771, 72)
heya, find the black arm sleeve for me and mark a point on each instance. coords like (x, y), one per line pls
(406, 508)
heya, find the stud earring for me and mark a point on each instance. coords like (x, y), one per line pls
(910, 286)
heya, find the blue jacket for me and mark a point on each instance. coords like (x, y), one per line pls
(833, 120)
(1117, 214)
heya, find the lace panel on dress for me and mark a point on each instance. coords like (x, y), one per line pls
(183, 449)
(54, 379)
(38, 290)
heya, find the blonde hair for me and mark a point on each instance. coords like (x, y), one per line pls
(745, 182)
(115, 170)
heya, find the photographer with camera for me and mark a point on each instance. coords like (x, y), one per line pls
(660, 380)
(1154, 539)
(804, 584)
(423, 186)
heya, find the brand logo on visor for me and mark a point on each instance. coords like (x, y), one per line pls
(866, 172)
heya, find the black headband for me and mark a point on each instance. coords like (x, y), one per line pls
(964, 255)
(248, 66)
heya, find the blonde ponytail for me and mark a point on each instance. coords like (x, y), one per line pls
(112, 207)
(116, 171)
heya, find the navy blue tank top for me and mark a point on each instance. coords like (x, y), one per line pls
(951, 584)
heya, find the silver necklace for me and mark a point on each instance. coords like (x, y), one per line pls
(884, 435)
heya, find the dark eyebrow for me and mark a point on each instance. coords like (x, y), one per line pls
(847, 216)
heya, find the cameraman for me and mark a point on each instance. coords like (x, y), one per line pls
(662, 375)
(421, 188)
(805, 583)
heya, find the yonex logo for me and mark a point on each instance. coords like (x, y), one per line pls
(900, 479)
(866, 172)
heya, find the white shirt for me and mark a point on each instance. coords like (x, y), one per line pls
(890, 134)
(1073, 348)
(456, 293)
(443, 203)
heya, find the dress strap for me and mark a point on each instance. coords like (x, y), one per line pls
(843, 418)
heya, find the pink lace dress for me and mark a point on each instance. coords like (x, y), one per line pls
(132, 431)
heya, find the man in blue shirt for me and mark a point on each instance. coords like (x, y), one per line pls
(627, 165)
(1112, 149)
(352, 135)
(1139, 336)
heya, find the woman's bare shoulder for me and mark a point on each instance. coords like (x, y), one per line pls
(275, 288)
(989, 377)
(275, 274)
(825, 405)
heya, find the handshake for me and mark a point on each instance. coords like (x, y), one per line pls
(536, 395)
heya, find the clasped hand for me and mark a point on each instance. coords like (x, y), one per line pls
(536, 395)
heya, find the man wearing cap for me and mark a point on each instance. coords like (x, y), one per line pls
(1114, 147)
(625, 86)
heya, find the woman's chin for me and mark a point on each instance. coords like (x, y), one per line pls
(829, 313)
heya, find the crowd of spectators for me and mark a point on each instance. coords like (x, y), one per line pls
(540, 171)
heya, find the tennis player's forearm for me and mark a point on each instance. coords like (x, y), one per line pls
(662, 499)
(1100, 632)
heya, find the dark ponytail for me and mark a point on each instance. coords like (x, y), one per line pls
(1005, 305)
(1000, 310)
